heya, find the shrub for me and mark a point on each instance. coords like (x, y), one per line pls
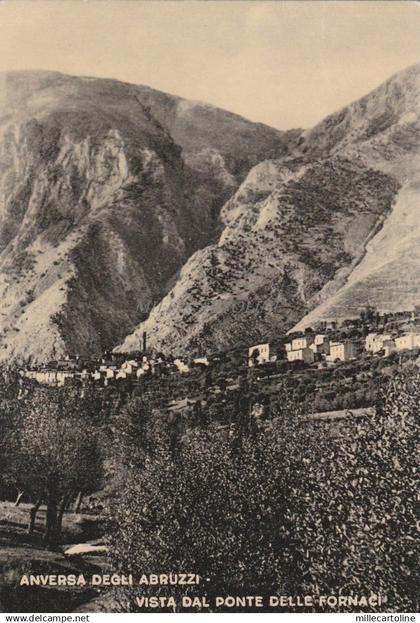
(359, 520)
(287, 509)
(220, 509)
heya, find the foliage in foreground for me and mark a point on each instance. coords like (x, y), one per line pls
(289, 509)
(51, 450)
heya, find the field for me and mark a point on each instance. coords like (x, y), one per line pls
(21, 554)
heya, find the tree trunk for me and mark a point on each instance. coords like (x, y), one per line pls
(32, 516)
(19, 498)
(51, 523)
(70, 501)
(63, 506)
(78, 502)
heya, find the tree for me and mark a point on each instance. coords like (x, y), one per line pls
(215, 507)
(213, 511)
(255, 355)
(57, 454)
(358, 519)
(137, 431)
(10, 412)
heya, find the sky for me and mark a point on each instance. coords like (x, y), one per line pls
(284, 63)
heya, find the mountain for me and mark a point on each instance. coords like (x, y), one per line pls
(106, 189)
(318, 233)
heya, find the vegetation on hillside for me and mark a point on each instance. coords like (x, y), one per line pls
(281, 510)
(51, 450)
(253, 504)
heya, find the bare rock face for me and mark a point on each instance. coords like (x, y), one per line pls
(315, 234)
(106, 189)
(272, 259)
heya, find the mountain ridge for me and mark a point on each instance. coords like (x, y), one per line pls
(100, 206)
(379, 136)
(124, 209)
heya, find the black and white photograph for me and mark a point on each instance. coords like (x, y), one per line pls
(209, 307)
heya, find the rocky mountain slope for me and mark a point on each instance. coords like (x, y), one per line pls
(316, 234)
(106, 189)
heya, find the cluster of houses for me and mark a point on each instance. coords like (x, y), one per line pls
(308, 348)
(376, 342)
(319, 346)
(312, 348)
(110, 369)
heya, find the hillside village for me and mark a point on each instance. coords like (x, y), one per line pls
(324, 206)
(317, 364)
(316, 347)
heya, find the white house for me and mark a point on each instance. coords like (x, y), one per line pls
(104, 367)
(374, 342)
(370, 340)
(382, 340)
(109, 373)
(50, 377)
(203, 360)
(182, 366)
(130, 367)
(39, 376)
(63, 375)
(301, 354)
(263, 354)
(407, 342)
(343, 351)
(300, 343)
